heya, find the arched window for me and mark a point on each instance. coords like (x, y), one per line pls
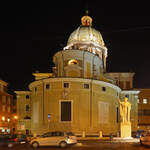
(72, 61)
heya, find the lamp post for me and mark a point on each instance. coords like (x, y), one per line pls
(15, 122)
(8, 120)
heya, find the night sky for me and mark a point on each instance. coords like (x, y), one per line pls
(31, 33)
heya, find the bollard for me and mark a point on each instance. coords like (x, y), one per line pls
(83, 134)
(100, 134)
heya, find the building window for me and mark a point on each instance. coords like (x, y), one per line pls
(47, 86)
(66, 85)
(66, 110)
(27, 117)
(86, 86)
(103, 88)
(73, 61)
(27, 96)
(4, 99)
(8, 109)
(27, 108)
(8, 100)
(138, 101)
(144, 112)
(144, 101)
(35, 89)
(3, 108)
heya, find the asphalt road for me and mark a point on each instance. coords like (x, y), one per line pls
(86, 145)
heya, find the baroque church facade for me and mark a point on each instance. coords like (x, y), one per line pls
(79, 95)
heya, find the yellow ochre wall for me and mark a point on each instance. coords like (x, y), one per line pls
(84, 105)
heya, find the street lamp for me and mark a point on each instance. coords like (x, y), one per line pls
(3, 118)
(15, 117)
(8, 120)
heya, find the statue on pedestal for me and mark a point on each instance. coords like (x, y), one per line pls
(125, 108)
(125, 124)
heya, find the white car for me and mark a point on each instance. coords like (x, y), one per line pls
(57, 138)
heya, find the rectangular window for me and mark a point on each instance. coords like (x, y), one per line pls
(8, 109)
(27, 96)
(140, 112)
(47, 86)
(8, 100)
(27, 108)
(4, 99)
(35, 89)
(3, 108)
(66, 85)
(65, 110)
(146, 112)
(103, 88)
(103, 112)
(86, 86)
(144, 101)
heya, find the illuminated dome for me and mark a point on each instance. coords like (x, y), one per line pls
(86, 34)
(86, 38)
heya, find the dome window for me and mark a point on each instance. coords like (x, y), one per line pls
(72, 61)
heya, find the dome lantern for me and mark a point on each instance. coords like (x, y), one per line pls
(86, 20)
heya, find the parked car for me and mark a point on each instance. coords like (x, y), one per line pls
(139, 133)
(5, 140)
(30, 137)
(18, 138)
(56, 138)
(145, 139)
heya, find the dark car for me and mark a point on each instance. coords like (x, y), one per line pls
(12, 140)
(139, 133)
(5, 140)
(18, 138)
(145, 139)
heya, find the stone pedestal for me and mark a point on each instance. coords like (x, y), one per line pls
(125, 129)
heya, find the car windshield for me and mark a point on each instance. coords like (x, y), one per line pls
(70, 134)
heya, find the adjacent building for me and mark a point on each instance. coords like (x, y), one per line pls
(79, 95)
(8, 117)
(144, 109)
(24, 111)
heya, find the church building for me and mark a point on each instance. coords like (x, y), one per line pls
(79, 95)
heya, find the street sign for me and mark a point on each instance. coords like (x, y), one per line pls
(49, 116)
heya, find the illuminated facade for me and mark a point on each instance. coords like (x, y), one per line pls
(144, 109)
(79, 95)
(24, 111)
(8, 120)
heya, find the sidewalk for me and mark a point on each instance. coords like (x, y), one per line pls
(94, 138)
(107, 139)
